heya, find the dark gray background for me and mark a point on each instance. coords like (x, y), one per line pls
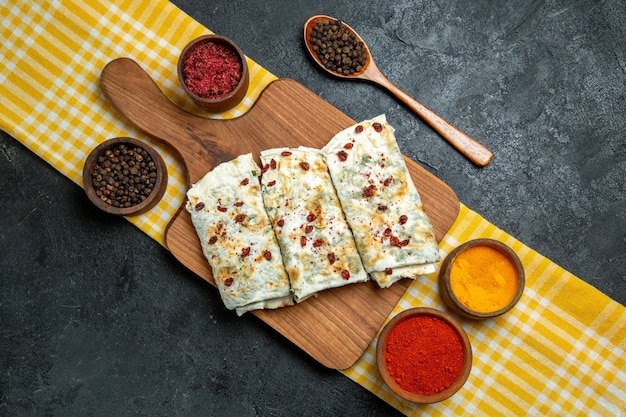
(98, 319)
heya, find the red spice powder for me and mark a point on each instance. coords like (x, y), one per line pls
(424, 355)
(212, 70)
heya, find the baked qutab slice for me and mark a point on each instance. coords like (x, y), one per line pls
(392, 232)
(237, 239)
(316, 243)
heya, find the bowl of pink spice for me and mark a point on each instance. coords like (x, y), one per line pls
(213, 72)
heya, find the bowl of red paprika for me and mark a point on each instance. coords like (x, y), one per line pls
(213, 72)
(481, 279)
(424, 355)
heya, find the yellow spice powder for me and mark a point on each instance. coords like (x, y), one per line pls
(483, 279)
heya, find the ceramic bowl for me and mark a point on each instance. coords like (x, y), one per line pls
(381, 356)
(225, 102)
(98, 199)
(451, 299)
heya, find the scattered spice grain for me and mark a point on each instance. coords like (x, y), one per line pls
(424, 355)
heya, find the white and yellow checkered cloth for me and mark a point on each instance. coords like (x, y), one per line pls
(561, 351)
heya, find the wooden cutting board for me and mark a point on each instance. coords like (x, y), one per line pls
(336, 327)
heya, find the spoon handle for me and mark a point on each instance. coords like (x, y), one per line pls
(473, 150)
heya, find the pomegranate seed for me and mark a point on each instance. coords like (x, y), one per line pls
(331, 258)
(369, 191)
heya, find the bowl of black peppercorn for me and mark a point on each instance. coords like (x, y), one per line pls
(124, 176)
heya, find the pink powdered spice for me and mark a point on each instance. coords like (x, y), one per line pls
(212, 70)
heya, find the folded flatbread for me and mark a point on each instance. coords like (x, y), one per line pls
(383, 208)
(317, 247)
(237, 239)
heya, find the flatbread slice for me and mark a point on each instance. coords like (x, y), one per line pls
(383, 208)
(317, 246)
(237, 239)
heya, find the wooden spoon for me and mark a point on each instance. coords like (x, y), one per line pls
(465, 144)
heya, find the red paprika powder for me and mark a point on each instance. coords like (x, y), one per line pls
(424, 355)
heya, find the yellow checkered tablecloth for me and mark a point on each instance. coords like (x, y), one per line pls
(561, 351)
(50, 82)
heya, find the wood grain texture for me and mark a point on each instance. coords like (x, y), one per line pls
(337, 326)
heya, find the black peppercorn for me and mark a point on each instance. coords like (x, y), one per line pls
(123, 176)
(337, 48)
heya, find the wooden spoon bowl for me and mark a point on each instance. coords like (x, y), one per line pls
(465, 144)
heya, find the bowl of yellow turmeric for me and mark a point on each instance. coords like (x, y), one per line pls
(481, 279)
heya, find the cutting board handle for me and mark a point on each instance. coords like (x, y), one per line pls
(135, 95)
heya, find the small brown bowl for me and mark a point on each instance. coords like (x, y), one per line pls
(95, 195)
(381, 356)
(227, 101)
(451, 299)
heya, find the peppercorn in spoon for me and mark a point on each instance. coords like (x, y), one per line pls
(340, 51)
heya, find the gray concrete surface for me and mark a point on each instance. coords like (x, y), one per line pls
(96, 319)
